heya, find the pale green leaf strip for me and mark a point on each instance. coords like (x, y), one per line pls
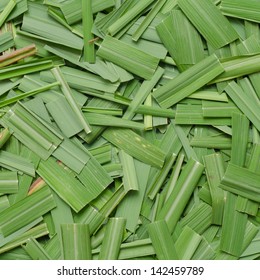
(162, 241)
(35, 250)
(188, 82)
(181, 193)
(193, 114)
(233, 227)
(248, 10)
(135, 145)
(209, 95)
(26, 211)
(240, 134)
(129, 15)
(209, 21)
(247, 206)
(6, 12)
(103, 153)
(64, 184)
(5, 135)
(212, 109)
(187, 243)
(114, 232)
(35, 232)
(87, 22)
(148, 19)
(155, 111)
(53, 247)
(199, 218)
(204, 251)
(71, 99)
(11, 100)
(8, 182)
(76, 242)
(128, 57)
(244, 103)
(6, 41)
(214, 167)
(254, 246)
(106, 121)
(242, 181)
(214, 142)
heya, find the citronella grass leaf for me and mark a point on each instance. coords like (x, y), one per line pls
(214, 142)
(110, 247)
(214, 167)
(148, 19)
(135, 145)
(4, 136)
(248, 10)
(76, 242)
(106, 121)
(212, 109)
(72, 191)
(188, 82)
(31, 131)
(11, 100)
(8, 182)
(35, 250)
(128, 57)
(87, 22)
(38, 22)
(128, 16)
(155, 111)
(24, 211)
(71, 100)
(216, 23)
(6, 41)
(181, 193)
(6, 12)
(234, 227)
(162, 241)
(187, 243)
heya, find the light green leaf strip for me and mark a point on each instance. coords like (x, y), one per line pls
(26, 211)
(209, 21)
(162, 241)
(128, 57)
(6, 12)
(214, 167)
(76, 242)
(135, 145)
(35, 250)
(6, 41)
(188, 82)
(71, 99)
(181, 193)
(8, 182)
(114, 232)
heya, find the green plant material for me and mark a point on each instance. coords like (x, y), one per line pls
(87, 22)
(13, 99)
(6, 12)
(188, 82)
(35, 250)
(65, 184)
(71, 100)
(14, 56)
(162, 241)
(215, 24)
(8, 182)
(128, 57)
(181, 193)
(218, 109)
(233, 227)
(114, 231)
(31, 130)
(135, 145)
(103, 153)
(128, 16)
(187, 243)
(214, 167)
(214, 142)
(38, 22)
(248, 10)
(76, 242)
(4, 136)
(6, 41)
(26, 211)
(154, 111)
(199, 218)
(148, 19)
(193, 114)
(72, 9)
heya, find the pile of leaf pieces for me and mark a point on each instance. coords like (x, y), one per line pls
(130, 129)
